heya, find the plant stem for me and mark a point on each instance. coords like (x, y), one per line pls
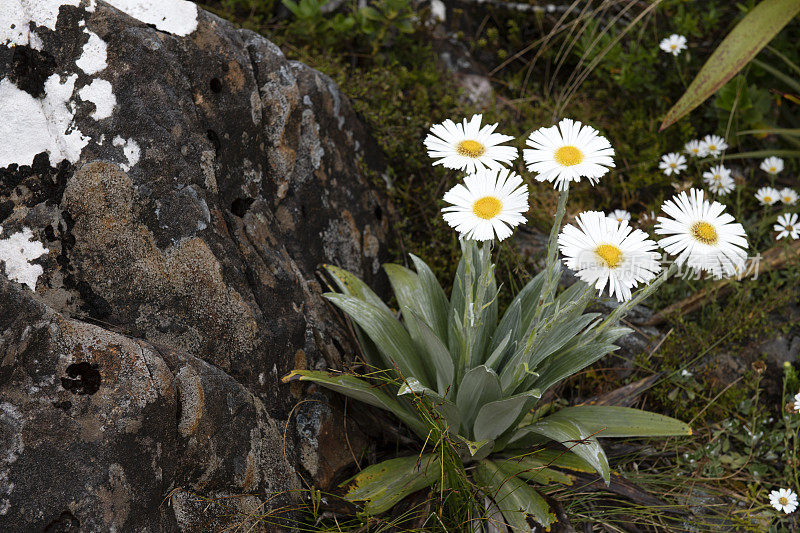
(552, 253)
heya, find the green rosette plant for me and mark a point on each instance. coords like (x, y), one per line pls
(467, 380)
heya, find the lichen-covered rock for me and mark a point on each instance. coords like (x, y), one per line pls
(187, 181)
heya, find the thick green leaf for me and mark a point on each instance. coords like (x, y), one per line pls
(437, 352)
(517, 500)
(387, 333)
(741, 45)
(437, 304)
(577, 439)
(534, 469)
(611, 421)
(496, 417)
(575, 358)
(382, 485)
(479, 387)
(561, 459)
(350, 285)
(362, 391)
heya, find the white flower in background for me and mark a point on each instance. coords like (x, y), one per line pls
(768, 195)
(695, 148)
(783, 500)
(16, 254)
(719, 180)
(797, 401)
(469, 147)
(787, 226)
(567, 152)
(701, 235)
(789, 196)
(489, 202)
(713, 145)
(672, 163)
(604, 252)
(772, 165)
(674, 44)
(619, 215)
(647, 218)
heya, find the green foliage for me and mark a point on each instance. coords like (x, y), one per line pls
(746, 40)
(377, 23)
(474, 376)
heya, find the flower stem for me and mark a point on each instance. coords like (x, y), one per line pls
(551, 281)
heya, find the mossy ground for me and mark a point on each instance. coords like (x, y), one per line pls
(399, 87)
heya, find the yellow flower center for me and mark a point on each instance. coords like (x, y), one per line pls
(783, 500)
(717, 177)
(487, 207)
(787, 199)
(705, 233)
(673, 165)
(610, 254)
(767, 199)
(712, 147)
(470, 148)
(695, 150)
(673, 46)
(567, 156)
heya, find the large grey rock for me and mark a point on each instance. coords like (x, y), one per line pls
(187, 186)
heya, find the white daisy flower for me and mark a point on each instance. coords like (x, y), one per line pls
(674, 44)
(701, 235)
(489, 202)
(797, 401)
(713, 144)
(787, 226)
(789, 196)
(604, 252)
(695, 148)
(768, 195)
(672, 163)
(772, 165)
(783, 500)
(567, 152)
(619, 215)
(719, 180)
(468, 146)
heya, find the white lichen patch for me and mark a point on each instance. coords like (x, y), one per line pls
(16, 16)
(100, 93)
(94, 55)
(17, 252)
(131, 151)
(34, 125)
(173, 16)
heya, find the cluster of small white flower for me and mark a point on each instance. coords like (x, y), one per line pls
(603, 250)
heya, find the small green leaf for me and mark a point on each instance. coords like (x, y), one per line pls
(436, 302)
(612, 421)
(382, 485)
(391, 338)
(532, 469)
(517, 500)
(443, 409)
(479, 387)
(575, 438)
(496, 417)
(362, 391)
(741, 45)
